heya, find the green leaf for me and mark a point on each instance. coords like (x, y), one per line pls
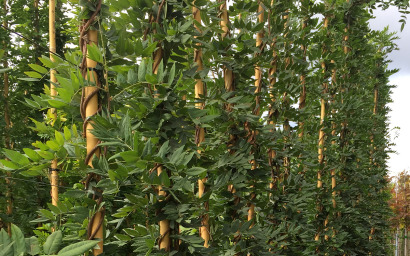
(32, 154)
(4, 70)
(122, 237)
(7, 250)
(171, 75)
(152, 79)
(164, 179)
(9, 165)
(57, 103)
(147, 52)
(137, 231)
(46, 154)
(33, 74)
(4, 237)
(32, 246)
(47, 62)
(38, 68)
(196, 171)
(53, 145)
(77, 248)
(19, 245)
(129, 156)
(47, 214)
(186, 25)
(176, 156)
(7, 244)
(160, 72)
(67, 133)
(207, 118)
(59, 138)
(132, 76)
(53, 242)
(141, 71)
(164, 149)
(16, 157)
(147, 149)
(94, 53)
(28, 79)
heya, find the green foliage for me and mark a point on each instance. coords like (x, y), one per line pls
(148, 120)
(17, 245)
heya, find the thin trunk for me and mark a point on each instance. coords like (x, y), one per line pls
(228, 73)
(321, 143)
(333, 171)
(302, 98)
(258, 88)
(286, 125)
(53, 91)
(164, 225)
(229, 87)
(200, 132)
(273, 112)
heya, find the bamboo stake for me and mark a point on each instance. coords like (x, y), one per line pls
(228, 73)
(164, 226)
(258, 88)
(286, 125)
(92, 141)
(164, 242)
(302, 98)
(321, 131)
(272, 111)
(200, 132)
(8, 144)
(332, 171)
(229, 81)
(53, 91)
(372, 146)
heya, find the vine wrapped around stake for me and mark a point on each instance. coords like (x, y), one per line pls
(89, 107)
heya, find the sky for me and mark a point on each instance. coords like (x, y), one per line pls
(399, 115)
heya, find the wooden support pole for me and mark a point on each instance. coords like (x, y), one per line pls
(258, 88)
(228, 80)
(302, 97)
(272, 111)
(228, 73)
(91, 92)
(164, 225)
(53, 92)
(200, 132)
(321, 131)
(286, 125)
